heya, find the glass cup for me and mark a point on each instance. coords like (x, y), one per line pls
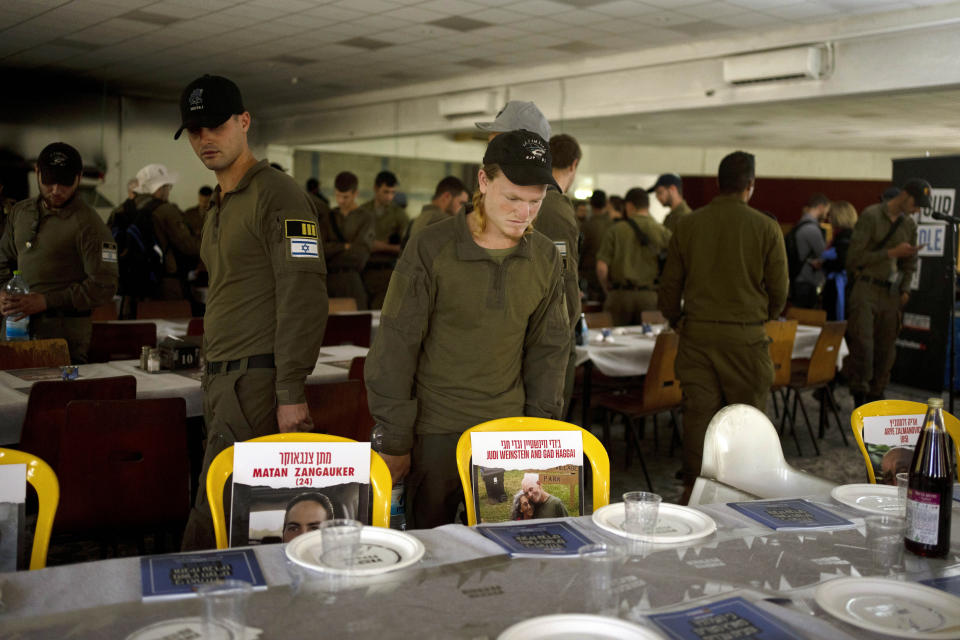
(885, 541)
(340, 541)
(903, 480)
(640, 509)
(598, 562)
(224, 608)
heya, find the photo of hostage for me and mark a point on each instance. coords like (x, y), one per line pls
(522, 509)
(896, 460)
(305, 513)
(544, 505)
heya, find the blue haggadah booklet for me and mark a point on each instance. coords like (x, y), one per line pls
(178, 574)
(950, 585)
(791, 515)
(541, 539)
(722, 620)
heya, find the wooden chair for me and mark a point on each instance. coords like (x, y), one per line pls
(782, 335)
(340, 409)
(352, 329)
(29, 354)
(44, 482)
(599, 320)
(222, 467)
(897, 408)
(817, 372)
(652, 317)
(195, 327)
(104, 313)
(128, 471)
(592, 449)
(661, 393)
(47, 409)
(149, 309)
(341, 305)
(120, 341)
(591, 306)
(814, 317)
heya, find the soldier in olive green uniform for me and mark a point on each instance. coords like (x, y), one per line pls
(193, 217)
(448, 199)
(594, 229)
(628, 263)
(390, 222)
(267, 301)
(64, 252)
(881, 260)
(727, 266)
(473, 328)
(347, 233)
(669, 191)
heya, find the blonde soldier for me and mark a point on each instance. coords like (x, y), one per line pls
(881, 260)
(669, 192)
(726, 274)
(347, 241)
(64, 252)
(628, 263)
(448, 199)
(473, 328)
(390, 222)
(267, 302)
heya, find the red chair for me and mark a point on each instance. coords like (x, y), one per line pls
(354, 328)
(340, 409)
(195, 327)
(165, 309)
(120, 341)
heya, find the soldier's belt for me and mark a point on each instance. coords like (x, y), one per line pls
(265, 361)
(875, 281)
(377, 266)
(65, 313)
(733, 322)
(626, 286)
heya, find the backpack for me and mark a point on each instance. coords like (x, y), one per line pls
(794, 260)
(139, 256)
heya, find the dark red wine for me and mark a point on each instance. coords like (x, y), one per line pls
(930, 492)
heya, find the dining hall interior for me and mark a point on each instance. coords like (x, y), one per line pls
(329, 400)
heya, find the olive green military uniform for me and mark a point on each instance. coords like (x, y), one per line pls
(70, 257)
(344, 266)
(466, 336)
(676, 213)
(174, 237)
(632, 268)
(874, 320)
(558, 221)
(594, 229)
(266, 313)
(390, 223)
(193, 218)
(428, 215)
(728, 265)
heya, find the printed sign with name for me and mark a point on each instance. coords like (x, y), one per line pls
(916, 321)
(889, 441)
(941, 200)
(931, 238)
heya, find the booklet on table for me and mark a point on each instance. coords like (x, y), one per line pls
(557, 539)
(729, 618)
(177, 575)
(791, 515)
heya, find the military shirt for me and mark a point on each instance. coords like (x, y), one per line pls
(593, 231)
(428, 215)
(193, 218)
(71, 260)
(464, 339)
(357, 230)
(171, 232)
(558, 221)
(628, 262)
(267, 277)
(726, 262)
(679, 211)
(390, 222)
(865, 259)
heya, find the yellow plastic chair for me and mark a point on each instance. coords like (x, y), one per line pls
(898, 408)
(592, 448)
(222, 467)
(44, 482)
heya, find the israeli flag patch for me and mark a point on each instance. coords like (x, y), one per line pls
(109, 252)
(303, 248)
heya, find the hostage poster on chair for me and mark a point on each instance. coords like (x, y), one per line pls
(284, 489)
(526, 475)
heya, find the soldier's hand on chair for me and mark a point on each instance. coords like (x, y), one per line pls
(399, 465)
(294, 417)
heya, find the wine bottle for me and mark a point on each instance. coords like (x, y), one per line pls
(930, 488)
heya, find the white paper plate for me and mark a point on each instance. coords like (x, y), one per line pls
(184, 626)
(901, 609)
(576, 626)
(675, 523)
(381, 550)
(882, 499)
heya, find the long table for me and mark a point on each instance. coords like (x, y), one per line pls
(465, 587)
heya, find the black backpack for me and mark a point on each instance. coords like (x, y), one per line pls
(794, 259)
(139, 257)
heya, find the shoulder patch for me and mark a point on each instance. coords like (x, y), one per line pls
(300, 229)
(304, 248)
(109, 252)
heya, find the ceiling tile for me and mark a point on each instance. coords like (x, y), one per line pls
(449, 7)
(412, 14)
(708, 10)
(580, 17)
(337, 13)
(287, 6)
(540, 7)
(366, 6)
(459, 23)
(624, 9)
(803, 10)
(374, 24)
(748, 20)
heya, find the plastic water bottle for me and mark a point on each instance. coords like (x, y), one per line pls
(582, 331)
(398, 514)
(17, 329)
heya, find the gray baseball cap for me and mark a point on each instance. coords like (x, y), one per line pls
(518, 114)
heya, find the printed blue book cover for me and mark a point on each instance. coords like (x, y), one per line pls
(791, 515)
(177, 575)
(542, 539)
(730, 618)
(950, 584)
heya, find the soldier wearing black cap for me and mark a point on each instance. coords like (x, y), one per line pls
(881, 261)
(669, 192)
(64, 252)
(267, 300)
(473, 328)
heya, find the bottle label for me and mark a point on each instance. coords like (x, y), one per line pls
(18, 329)
(923, 516)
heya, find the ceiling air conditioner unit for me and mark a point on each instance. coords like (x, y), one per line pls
(798, 63)
(471, 103)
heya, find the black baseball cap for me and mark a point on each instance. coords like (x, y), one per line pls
(208, 102)
(666, 180)
(920, 190)
(59, 163)
(523, 156)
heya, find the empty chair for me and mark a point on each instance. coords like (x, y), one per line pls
(599, 320)
(120, 341)
(44, 482)
(29, 354)
(741, 449)
(149, 309)
(815, 317)
(341, 305)
(351, 328)
(195, 327)
(782, 334)
(340, 409)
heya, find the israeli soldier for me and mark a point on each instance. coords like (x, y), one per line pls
(390, 223)
(449, 198)
(347, 233)
(669, 192)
